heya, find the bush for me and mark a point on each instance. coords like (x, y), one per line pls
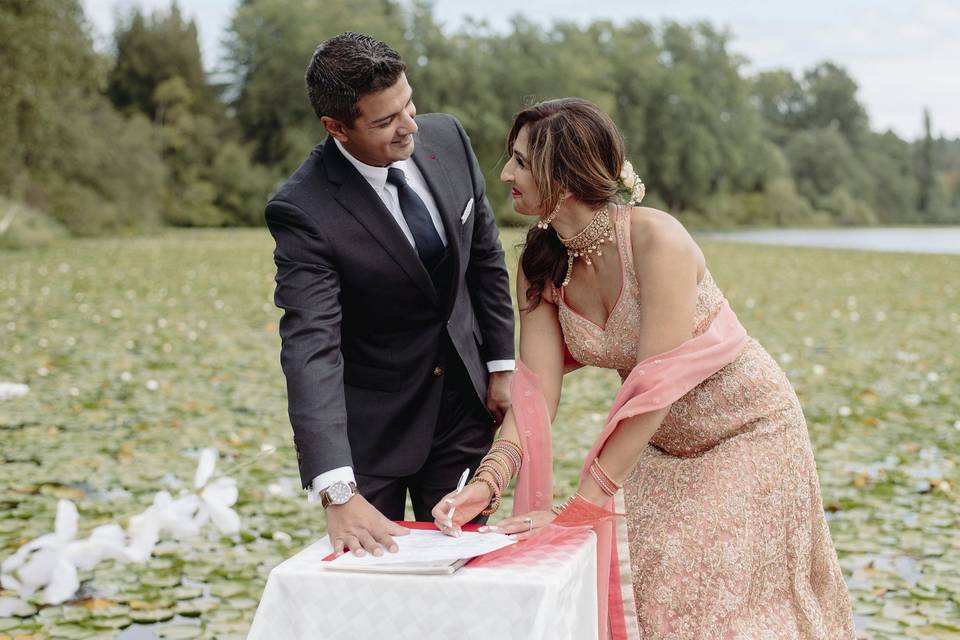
(242, 187)
(106, 176)
(787, 208)
(194, 206)
(847, 210)
(24, 227)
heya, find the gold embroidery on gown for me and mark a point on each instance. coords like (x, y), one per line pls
(725, 521)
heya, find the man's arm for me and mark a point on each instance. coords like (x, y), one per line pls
(489, 285)
(487, 277)
(308, 290)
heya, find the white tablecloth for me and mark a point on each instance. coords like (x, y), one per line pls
(550, 594)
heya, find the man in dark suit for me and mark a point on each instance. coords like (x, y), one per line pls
(397, 333)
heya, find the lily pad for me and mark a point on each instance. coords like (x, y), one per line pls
(71, 632)
(196, 607)
(180, 632)
(145, 616)
(16, 607)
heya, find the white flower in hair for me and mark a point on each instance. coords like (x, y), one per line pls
(632, 187)
(628, 176)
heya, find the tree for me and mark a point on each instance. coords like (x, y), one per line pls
(925, 168)
(66, 151)
(780, 100)
(701, 131)
(49, 66)
(151, 50)
(269, 43)
(830, 100)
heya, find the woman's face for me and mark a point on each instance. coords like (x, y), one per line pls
(526, 196)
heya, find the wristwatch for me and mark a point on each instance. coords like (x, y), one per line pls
(338, 493)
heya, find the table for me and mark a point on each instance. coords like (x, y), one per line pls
(548, 593)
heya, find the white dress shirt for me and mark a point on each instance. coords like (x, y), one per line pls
(377, 177)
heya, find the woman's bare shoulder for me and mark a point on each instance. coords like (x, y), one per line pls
(654, 232)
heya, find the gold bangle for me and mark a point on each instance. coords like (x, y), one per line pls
(508, 469)
(509, 448)
(596, 461)
(498, 478)
(494, 503)
(605, 484)
(512, 457)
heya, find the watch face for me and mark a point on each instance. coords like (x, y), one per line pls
(339, 492)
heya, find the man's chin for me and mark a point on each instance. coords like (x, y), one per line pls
(403, 152)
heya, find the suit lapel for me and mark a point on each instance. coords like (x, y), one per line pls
(359, 199)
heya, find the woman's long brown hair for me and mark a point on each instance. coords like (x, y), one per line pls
(574, 147)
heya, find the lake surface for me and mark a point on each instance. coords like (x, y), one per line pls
(908, 239)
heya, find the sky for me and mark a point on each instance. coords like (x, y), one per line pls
(903, 54)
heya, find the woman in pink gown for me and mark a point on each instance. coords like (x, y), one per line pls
(724, 534)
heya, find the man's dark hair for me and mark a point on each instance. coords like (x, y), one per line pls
(347, 67)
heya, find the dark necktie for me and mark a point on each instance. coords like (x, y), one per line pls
(425, 236)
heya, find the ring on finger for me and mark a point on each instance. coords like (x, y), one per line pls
(529, 522)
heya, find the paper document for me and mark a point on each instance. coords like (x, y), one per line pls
(419, 547)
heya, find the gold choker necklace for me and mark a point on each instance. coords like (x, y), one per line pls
(587, 241)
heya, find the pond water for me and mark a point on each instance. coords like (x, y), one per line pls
(908, 239)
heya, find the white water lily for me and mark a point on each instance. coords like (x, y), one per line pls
(206, 467)
(185, 516)
(51, 561)
(13, 390)
(217, 497)
(165, 515)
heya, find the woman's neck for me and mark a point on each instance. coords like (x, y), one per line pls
(573, 217)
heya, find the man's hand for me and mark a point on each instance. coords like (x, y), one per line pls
(498, 394)
(357, 526)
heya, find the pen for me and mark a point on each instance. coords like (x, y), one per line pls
(460, 485)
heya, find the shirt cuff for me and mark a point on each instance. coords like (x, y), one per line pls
(327, 478)
(501, 365)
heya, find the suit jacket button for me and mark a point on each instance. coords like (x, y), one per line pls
(438, 371)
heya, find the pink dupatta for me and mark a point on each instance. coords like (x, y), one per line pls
(653, 384)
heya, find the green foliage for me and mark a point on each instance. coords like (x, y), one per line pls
(822, 160)
(830, 100)
(24, 227)
(106, 175)
(210, 180)
(48, 67)
(240, 185)
(151, 50)
(67, 152)
(714, 146)
(847, 210)
(269, 43)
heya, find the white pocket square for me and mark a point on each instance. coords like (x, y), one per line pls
(467, 211)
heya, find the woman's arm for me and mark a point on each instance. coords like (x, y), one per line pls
(541, 349)
(667, 262)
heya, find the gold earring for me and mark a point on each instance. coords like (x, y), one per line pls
(543, 223)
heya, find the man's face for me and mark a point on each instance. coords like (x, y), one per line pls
(383, 133)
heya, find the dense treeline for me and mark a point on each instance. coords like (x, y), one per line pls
(142, 136)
